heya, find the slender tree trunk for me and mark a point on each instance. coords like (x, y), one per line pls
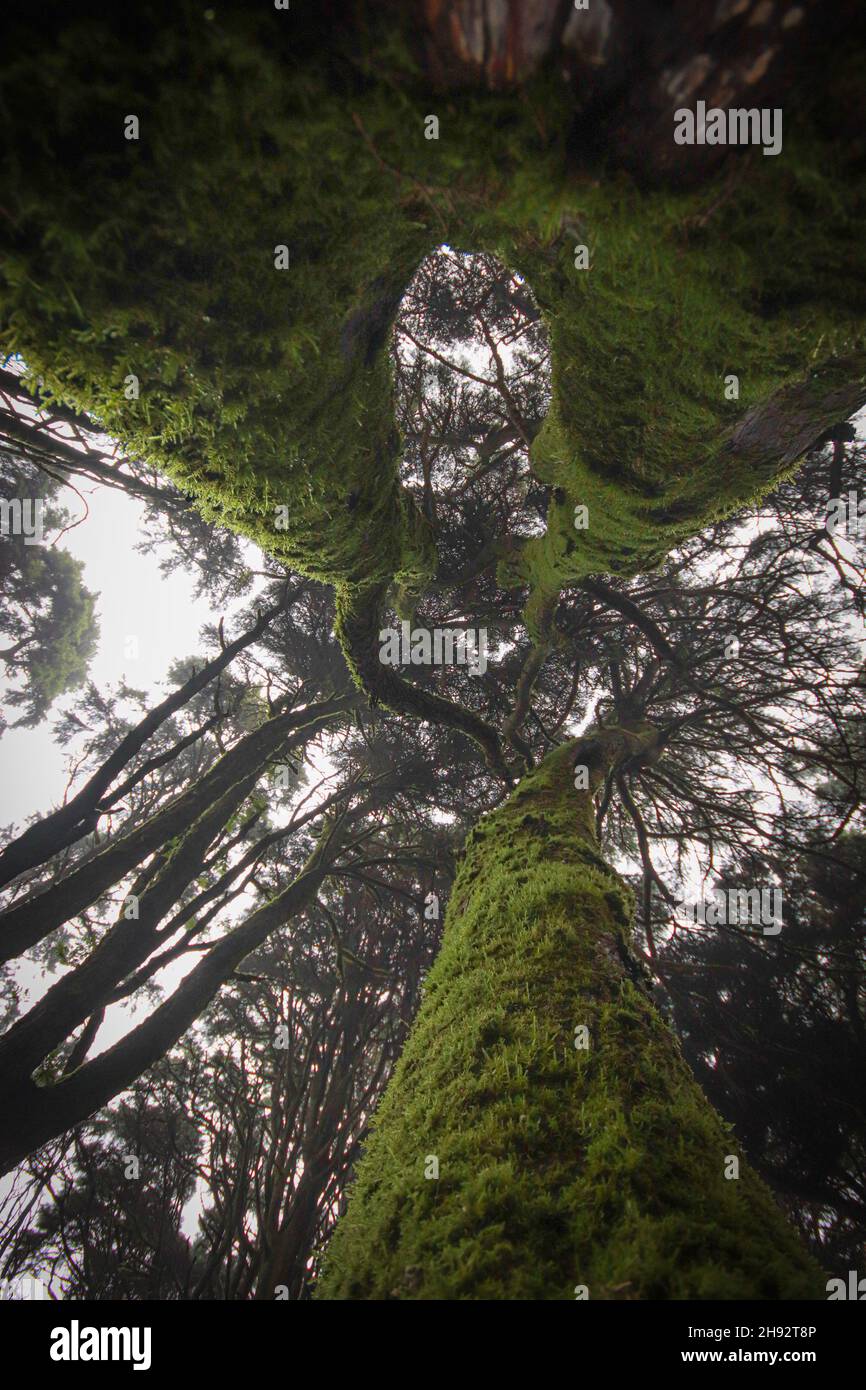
(561, 1168)
(78, 816)
(28, 922)
(286, 1263)
(129, 942)
(33, 1114)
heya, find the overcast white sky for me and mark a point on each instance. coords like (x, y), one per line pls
(134, 600)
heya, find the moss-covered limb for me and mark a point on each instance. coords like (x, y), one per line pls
(558, 1166)
(746, 459)
(359, 611)
(774, 435)
(264, 389)
(540, 619)
(260, 389)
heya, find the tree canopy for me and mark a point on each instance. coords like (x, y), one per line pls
(459, 344)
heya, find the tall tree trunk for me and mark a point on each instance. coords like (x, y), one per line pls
(558, 1166)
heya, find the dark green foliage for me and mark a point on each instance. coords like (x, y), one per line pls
(47, 619)
(746, 1008)
(119, 1212)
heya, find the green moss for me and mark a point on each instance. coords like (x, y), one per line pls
(557, 1166)
(263, 389)
(639, 428)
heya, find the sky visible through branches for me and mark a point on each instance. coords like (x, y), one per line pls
(163, 612)
(472, 369)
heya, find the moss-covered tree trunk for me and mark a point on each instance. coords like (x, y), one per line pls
(561, 1167)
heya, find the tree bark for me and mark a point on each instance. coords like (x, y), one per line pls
(82, 991)
(560, 1168)
(33, 1114)
(44, 451)
(631, 63)
(26, 923)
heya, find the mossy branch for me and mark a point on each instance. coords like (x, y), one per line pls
(359, 620)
